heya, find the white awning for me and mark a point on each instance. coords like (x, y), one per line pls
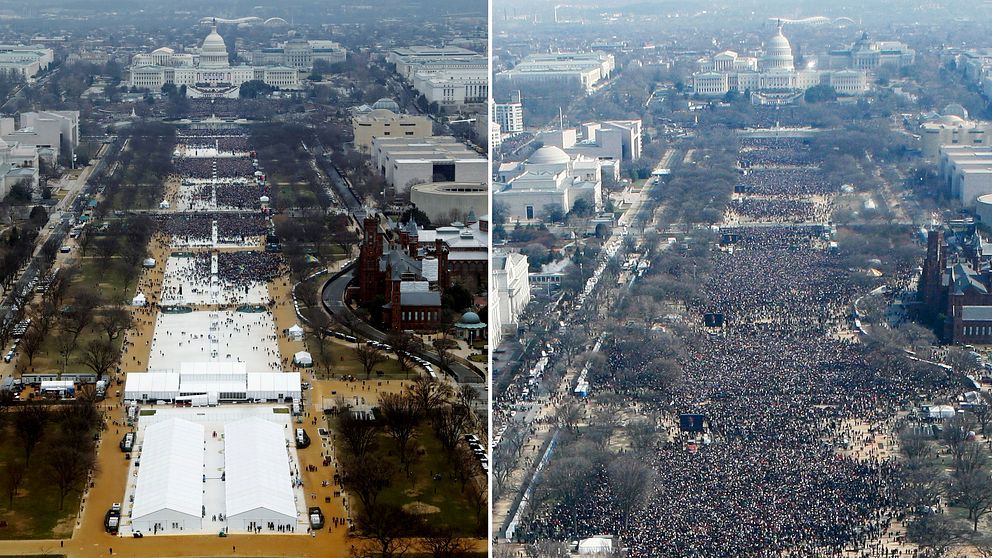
(171, 474)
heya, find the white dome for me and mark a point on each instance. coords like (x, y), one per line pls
(213, 53)
(778, 53)
(549, 155)
(955, 109)
(264, 199)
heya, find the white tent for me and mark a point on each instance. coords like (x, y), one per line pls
(295, 332)
(163, 205)
(151, 386)
(139, 300)
(596, 546)
(169, 489)
(303, 358)
(259, 484)
(149, 262)
(941, 412)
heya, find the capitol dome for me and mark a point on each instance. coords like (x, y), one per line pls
(549, 155)
(213, 53)
(778, 53)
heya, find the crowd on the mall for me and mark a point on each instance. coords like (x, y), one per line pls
(785, 467)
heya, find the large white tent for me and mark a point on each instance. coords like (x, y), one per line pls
(169, 489)
(222, 381)
(259, 483)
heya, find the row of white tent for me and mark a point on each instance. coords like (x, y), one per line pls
(222, 381)
(258, 484)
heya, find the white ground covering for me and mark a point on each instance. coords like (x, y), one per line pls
(214, 241)
(214, 420)
(183, 286)
(205, 153)
(215, 337)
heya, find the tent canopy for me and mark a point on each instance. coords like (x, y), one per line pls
(256, 463)
(303, 358)
(171, 472)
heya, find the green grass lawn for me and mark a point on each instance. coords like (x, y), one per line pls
(35, 513)
(344, 361)
(49, 359)
(454, 510)
(95, 272)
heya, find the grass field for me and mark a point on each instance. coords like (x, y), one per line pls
(345, 362)
(35, 514)
(445, 495)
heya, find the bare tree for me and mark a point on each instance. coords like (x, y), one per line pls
(116, 321)
(358, 434)
(630, 482)
(369, 356)
(403, 345)
(31, 343)
(401, 415)
(442, 542)
(429, 393)
(973, 492)
(68, 467)
(29, 424)
(547, 549)
(14, 472)
(385, 529)
(100, 356)
(66, 343)
(937, 533)
(366, 481)
(449, 424)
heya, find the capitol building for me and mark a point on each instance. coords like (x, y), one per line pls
(206, 74)
(772, 70)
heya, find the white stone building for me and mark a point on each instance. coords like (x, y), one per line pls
(453, 89)
(509, 116)
(587, 69)
(26, 60)
(511, 293)
(380, 123)
(967, 171)
(206, 74)
(46, 130)
(773, 70)
(549, 178)
(408, 161)
(610, 141)
(866, 54)
(299, 54)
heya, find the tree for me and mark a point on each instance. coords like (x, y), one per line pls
(369, 356)
(443, 543)
(385, 528)
(366, 481)
(403, 345)
(567, 481)
(444, 355)
(973, 492)
(29, 425)
(31, 343)
(428, 393)
(449, 425)
(401, 415)
(100, 355)
(68, 467)
(116, 320)
(937, 533)
(14, 472)
(66, 343)
(630, 482)
(358, 434)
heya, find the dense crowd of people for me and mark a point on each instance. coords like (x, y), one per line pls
(777, 210)
(220, 167)
(794, 181)
(779, 387)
